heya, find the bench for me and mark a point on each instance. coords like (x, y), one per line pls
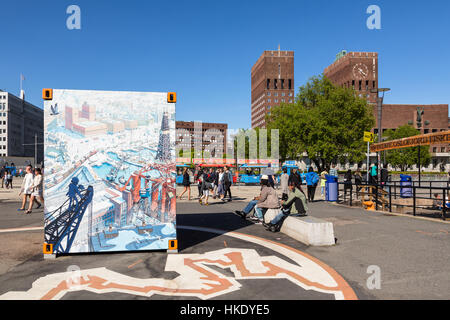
(308, 230)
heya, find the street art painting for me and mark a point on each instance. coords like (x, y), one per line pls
(109, 171)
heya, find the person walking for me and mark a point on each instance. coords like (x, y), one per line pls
(373, 174)
(220, 186)
(284, 184)
(312, 179)
(2, 175)
(207, 185)
(333, 171)
(198, 179)
(348, 181)
(358, 182)
(37, 191)
(186, 183)
(26, 188)
(323, 181)
(270, 174)
(227, 181)
(267, 199)
(295, 177)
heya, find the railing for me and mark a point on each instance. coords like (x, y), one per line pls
(386, 195)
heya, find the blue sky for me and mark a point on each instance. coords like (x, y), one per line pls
(204, 50)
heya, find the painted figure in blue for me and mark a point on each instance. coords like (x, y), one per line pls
(74, 190)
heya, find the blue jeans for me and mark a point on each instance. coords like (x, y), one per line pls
(252, 205)
(278, 218)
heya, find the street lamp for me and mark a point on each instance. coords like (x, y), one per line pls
(380, 133)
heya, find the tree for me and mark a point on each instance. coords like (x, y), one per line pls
(406, 157)
(325, 121)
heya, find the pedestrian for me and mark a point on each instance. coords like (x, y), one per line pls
(207, 186)
(2, 175)
(227, 181)
(37, 191)
(10, 176)
(216, 183)
(295, 177)
(295, 204)
(312, 179)
(373, 174)
(284, 184)
(333, 171)
(269, 173)
(186, 183)
(384, 175)
(348, 181)
(267, 199)
(26, 188)
(323, 181)
(220, 186)
(198, 179)
(358, 181)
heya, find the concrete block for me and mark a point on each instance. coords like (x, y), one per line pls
(308, 230)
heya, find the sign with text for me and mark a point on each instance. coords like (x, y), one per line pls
(420, 140)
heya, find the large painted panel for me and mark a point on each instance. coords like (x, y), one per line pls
(109, 171)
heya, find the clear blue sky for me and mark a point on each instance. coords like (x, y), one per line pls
(204, 50)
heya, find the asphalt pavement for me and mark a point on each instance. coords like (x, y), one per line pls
(377, 256)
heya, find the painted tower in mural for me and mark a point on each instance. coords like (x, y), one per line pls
(163, 152)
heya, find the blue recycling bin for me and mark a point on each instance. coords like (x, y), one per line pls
(331, 188)
(405, 182)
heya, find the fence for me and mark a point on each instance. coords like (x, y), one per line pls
(412, 195)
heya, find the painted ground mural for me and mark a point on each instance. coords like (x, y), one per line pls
(109, 171)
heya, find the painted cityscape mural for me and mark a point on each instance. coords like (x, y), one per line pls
(109, 171)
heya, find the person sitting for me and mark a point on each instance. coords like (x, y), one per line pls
(295, 205)
(268, 199)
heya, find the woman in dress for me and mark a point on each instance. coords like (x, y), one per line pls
(186, 184)
(37, 191)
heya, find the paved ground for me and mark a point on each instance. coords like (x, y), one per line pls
(412, 256)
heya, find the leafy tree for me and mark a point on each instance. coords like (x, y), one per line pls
(325, 121)
(406, 157)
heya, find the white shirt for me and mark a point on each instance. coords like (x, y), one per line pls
(27, 183)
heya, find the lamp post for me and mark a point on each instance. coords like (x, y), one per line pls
(420, 112)
(379, 113)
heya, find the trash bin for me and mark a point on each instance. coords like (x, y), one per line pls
(405, 182)
(331, 188)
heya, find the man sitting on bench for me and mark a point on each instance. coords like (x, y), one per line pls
(295, 205)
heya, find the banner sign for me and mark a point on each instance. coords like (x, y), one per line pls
(420, 140)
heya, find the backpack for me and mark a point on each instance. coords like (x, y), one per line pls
(315, 179)
(226, 178)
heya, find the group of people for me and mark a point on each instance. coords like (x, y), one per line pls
(293, 202)
(6, 175)
(312, 180)
(210, 183)
(31, 189)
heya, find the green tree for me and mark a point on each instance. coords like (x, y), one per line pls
(325, 121)
(406, 157)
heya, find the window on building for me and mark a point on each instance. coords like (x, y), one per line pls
(282, 84)
(434, 149)
(373, 84)
(435, 130)
(269, 100)
(426, 131)
(276, 101)
(275, 84)
(442, 149)
(268, 84)
(283, 94)
(367, 85)
(289, 84)
(353, 84)
(275, 94)
(360, 85)
(268, 94)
